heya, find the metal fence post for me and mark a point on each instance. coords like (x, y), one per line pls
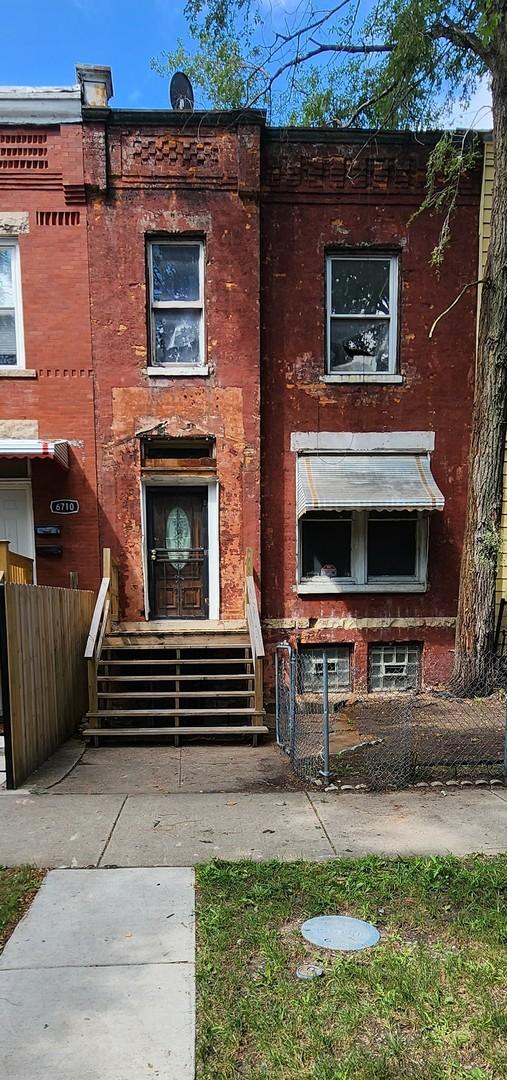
(277, 699)
(325, 771)
(505, 745)
(292, 703)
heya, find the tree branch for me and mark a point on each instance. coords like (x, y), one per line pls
(321, 48)
(464, 39)
(470, 285)
(362, 49)
(371, 101)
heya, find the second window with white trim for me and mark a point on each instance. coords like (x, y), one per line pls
(362, 321)
(176, 273)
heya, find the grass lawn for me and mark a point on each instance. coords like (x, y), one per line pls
(427, 1003)
(18, 886)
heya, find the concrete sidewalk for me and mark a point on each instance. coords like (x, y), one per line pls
(97, 980)
(57, 830)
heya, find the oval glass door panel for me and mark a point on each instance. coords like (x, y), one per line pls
(178, 537)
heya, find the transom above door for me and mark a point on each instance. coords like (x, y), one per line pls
(177, 552)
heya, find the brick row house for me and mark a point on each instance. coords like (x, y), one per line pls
(218, 333)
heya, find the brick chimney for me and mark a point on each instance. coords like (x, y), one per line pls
(96, 85)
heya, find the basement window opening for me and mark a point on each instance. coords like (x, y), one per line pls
(338, 667)
(394, 667)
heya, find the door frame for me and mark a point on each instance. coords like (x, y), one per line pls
(26, 486)
(213, 535)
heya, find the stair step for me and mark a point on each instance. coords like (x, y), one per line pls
(182, 626)
(104, 713)
(177, 694)
(147, 641)
(246, 660)
(218, 677)
(234, 729)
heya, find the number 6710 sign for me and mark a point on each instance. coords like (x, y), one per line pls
(64, 506)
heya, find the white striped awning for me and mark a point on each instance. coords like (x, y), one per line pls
(366, 482)
(57, 450)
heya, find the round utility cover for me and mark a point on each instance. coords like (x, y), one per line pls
(309, 971)
(340, 932)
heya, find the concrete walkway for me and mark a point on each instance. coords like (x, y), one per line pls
(57, 830)
(97, 981)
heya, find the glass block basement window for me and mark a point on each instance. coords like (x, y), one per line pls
(338, 667)
(394, 667)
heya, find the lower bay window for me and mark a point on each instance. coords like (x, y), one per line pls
(363, 551)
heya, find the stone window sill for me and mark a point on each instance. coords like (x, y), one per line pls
(388, 379)
(17, 373)
(178, 370)
(318, 587)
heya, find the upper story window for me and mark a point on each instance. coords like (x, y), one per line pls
(11, 321)
(177, 303)
(362, 325)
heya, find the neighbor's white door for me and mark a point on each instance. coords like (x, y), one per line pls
(16, 521)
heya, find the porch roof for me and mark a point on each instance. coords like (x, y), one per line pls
(56, 450)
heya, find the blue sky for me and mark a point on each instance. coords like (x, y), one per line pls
(48, 37)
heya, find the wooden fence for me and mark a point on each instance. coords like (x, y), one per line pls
(14, 567)
(43, 632)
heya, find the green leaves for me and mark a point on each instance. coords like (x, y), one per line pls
(295, 60)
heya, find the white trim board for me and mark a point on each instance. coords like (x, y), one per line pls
(213, 535)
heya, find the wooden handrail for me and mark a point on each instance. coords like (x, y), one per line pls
(106, 609)
(106, 612)
(255, 634)
(97, 619)
(253, 619)
(13, 567)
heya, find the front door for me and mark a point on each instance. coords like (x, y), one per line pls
(177, 552)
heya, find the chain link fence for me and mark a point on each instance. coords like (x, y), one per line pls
(394, 731)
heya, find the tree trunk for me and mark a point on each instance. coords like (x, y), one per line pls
(476, 603)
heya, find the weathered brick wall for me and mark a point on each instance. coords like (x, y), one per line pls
(146, 181)
(325, 194)
(41, 172)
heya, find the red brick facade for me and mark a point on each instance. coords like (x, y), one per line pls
(321, 193)
(153, 182)
(41, 174)
(268, 206)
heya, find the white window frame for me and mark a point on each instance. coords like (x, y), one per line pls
(18, 307)
(199, 367)
(392, 374)
(359, 581)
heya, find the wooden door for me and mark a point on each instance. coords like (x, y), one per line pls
(178, 552)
